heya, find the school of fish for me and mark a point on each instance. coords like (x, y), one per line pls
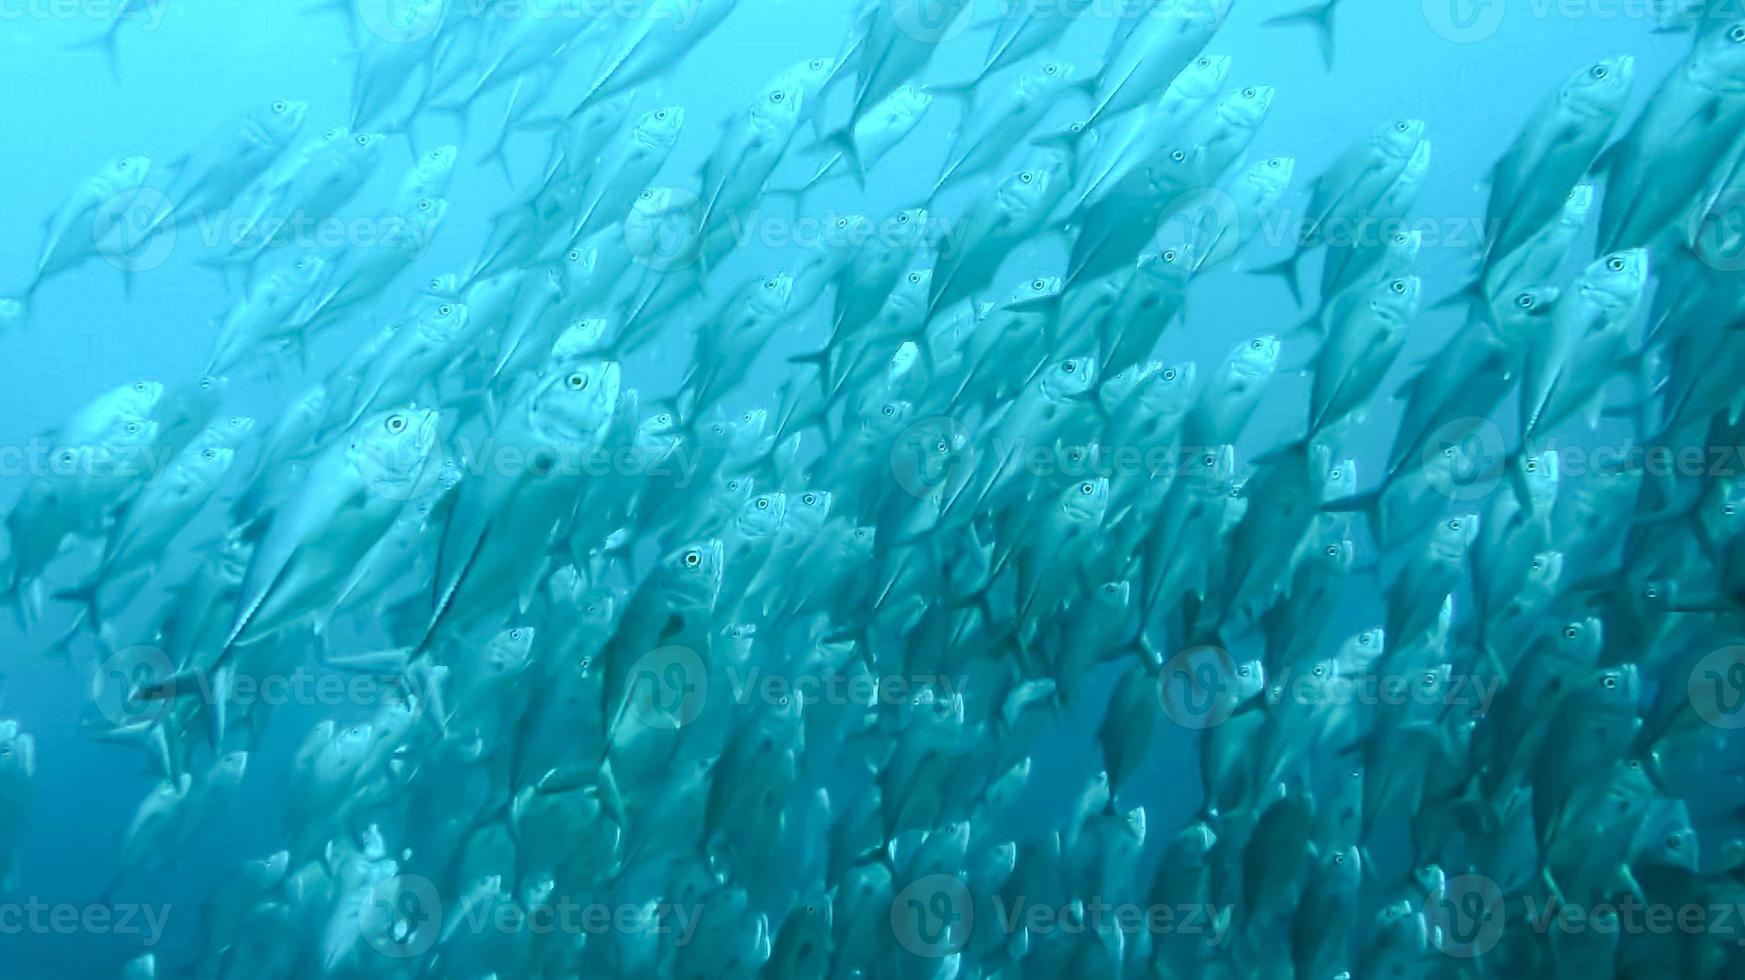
(736, 678)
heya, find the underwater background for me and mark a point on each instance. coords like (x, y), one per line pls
(180, 68)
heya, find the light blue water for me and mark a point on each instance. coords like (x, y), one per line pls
(199, 62)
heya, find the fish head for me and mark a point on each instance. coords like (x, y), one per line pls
(1612, 691)
(1086, 502)
(812, 75)
(1544, 570)
(228, 770)
(1112, 597)
(392, 450)
(1526, 313)
(1578, 205)
(1599, 89)
(761, 516)
(692, 574)
(770, 295)
(1246, 107)
(306, 272)
(1403, 248)
(580, 338)
(1722, 54)
(124, 173)
(660, 127)
(278, 121)
(1615, 282)
(809, 509)
(906, 228)
(1256, 358)
(1541, 478)
(1250, 680)
(1339, 481)
(1273, 176)
(17, 750)
(1071, 378)
(1203, 77)
(1399, 139)
(1395, 302)
(579, 401)
(1170, 267)
(1452, 536)
(1023, 192)
(363, 147)
(438, 164)
(509, 650)
(1051, 76)
(1168, 392)
(776, 111)
(443, 322)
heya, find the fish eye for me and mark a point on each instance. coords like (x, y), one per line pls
(1248, 93)
(1242, 671)
(1039, 284)
(1051, 68)
(1169, 256)
(1069, 367)
(663, 419)
(941, 448)
(1675, 842)
(890, 410)
(1599, 72)
(208, 454)
(817, 65)
(1615, 263)
(693, 558)
(1338, 857)
(280, 107)
(205, 384)
(1319, 671)
(1727, 509)
(436, 284)
(915, 278)
(363, 139)
(1169, 374)
(1538, 564)
(1257, 345)
(140, 387)
(1571, 631)
(331, 135)
(660, 113)
(1651, 591)
(1609, 682)
(1402, 127)
(1178, 156)
(903, 218)
(66, 456)
(778, 96)
(1075, 454)
(578, 381)
(445, 309)
(1209, 459)
(425, 204)
(515, 634)
(1026, 176)
(809, 499)
(1399, 287)
(396, 423)
(1204, 63)
(718, 429)
(1526, 301)
(733, 485)
(132, 428)
(1737, 34)
(763, 503)
(1430, 680)
(1532, 465)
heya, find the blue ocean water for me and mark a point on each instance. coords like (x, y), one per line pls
(186, 66)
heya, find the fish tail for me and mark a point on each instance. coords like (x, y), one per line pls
(1368, 504)
(106, 42)
(1319, 17)
(1289, 269)
(843, 141)
(86, 596)
(1470, 296)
